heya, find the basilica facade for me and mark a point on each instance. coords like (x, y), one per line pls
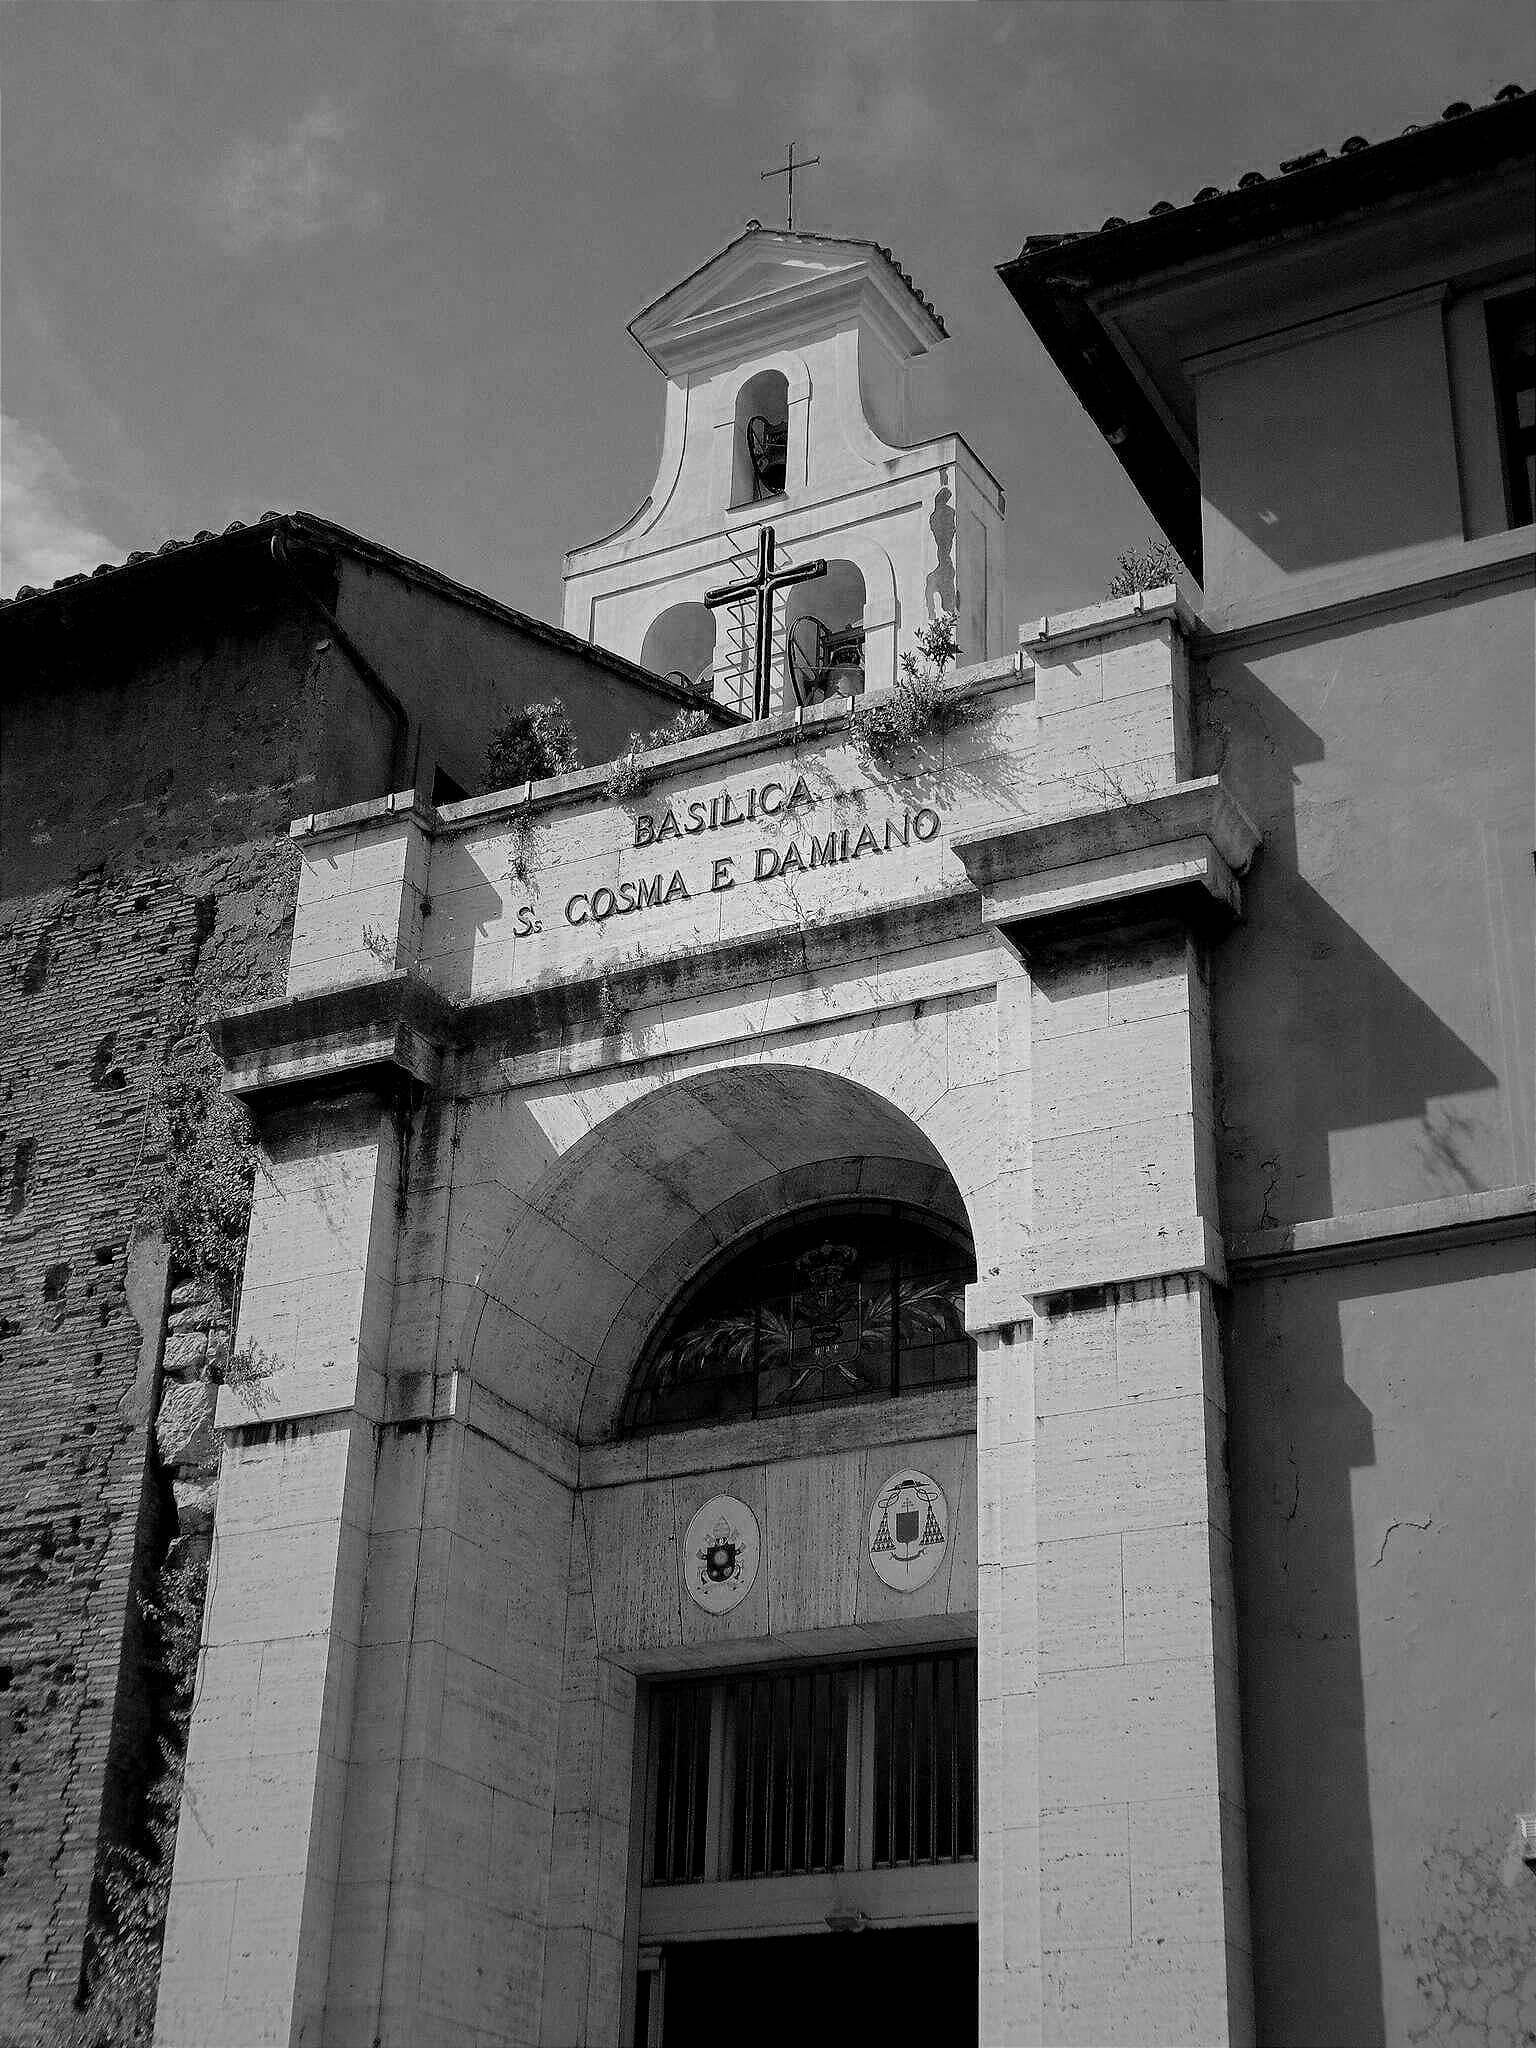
(844, 1316)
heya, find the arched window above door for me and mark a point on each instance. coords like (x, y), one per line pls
(834, 1305)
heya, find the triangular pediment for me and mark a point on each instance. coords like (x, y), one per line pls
(775, 277)
(760, 280)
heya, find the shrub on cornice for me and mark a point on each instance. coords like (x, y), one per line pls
(531, 743)
(628, 776)
(1148, 567)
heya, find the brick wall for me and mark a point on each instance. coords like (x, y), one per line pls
(93, 973)
(146, 868)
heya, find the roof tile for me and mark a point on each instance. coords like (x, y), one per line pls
(1305, 162)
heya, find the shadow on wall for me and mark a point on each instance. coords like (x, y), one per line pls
(1339, 1089)
(1317, 1036)
(940, 592)
(1292, 1449)
(1378, 1703)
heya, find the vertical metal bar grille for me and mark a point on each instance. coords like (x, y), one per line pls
(680, 1753)
(789, 1800)
(791, 1752)
(924, 1741)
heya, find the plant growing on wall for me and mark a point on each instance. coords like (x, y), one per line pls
(628, 776)
(200, 1198)
(921, 703)
(1148, 567)
(535, 741)
(119, 2004)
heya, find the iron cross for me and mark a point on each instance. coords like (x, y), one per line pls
(763, 587)
(788, 170)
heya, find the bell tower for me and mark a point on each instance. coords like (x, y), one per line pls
(793, 541)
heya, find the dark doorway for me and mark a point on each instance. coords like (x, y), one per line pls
(914, 1984)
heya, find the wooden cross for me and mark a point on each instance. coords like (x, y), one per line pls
(762, 588)
(788, 170)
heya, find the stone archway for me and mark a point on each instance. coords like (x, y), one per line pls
(601, 1242)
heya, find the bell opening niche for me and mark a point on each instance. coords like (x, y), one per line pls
(680, 644)
(824, 635)
(760, 443)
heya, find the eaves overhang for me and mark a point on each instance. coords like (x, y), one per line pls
(1060, 282)
(210, 572)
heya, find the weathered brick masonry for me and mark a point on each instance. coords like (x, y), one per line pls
(92, 971)
(98, 970)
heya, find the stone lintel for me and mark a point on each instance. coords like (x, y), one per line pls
(393, 1028)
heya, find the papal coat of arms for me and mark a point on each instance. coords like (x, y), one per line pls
(908, 1530)
(720, 1553)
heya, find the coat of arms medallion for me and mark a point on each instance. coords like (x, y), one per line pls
(720, 1554)
(908, 1530)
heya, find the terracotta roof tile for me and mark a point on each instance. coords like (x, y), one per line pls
(1308, 161)
(166, 547)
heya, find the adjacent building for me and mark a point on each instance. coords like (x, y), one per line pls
(1323, 384)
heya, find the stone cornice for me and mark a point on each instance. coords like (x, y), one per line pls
(1186, 846)
(369, 1032)
(396, 1027)
(1113, 616)
(1411, 1227)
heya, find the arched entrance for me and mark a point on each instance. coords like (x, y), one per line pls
(768, 1743)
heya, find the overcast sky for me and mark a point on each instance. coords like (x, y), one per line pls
(376, 261)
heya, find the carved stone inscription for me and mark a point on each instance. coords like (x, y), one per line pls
(801, 854)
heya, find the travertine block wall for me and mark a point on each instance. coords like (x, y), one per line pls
(1008, 1636)
(247, 1942)
(1144, 1931)
(248, 1939)
(1114, 1879)
(1114, 712)
(500, 1568)
(1123, 1179)
(444, 1866)
(1109, 1669)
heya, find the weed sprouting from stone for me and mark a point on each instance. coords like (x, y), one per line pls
(1148, 567)
(629, 776)
(920, 704)
(199, 1200)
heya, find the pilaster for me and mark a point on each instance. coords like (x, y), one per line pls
(249, 1928)
(1113, 1846)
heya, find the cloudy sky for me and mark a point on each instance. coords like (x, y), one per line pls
(376, 261)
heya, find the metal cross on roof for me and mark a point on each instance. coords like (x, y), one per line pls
(788, 170)
(762, 589)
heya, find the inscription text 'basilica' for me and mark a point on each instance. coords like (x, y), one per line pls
(770, 859)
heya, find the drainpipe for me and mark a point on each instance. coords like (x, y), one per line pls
(372, 680)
